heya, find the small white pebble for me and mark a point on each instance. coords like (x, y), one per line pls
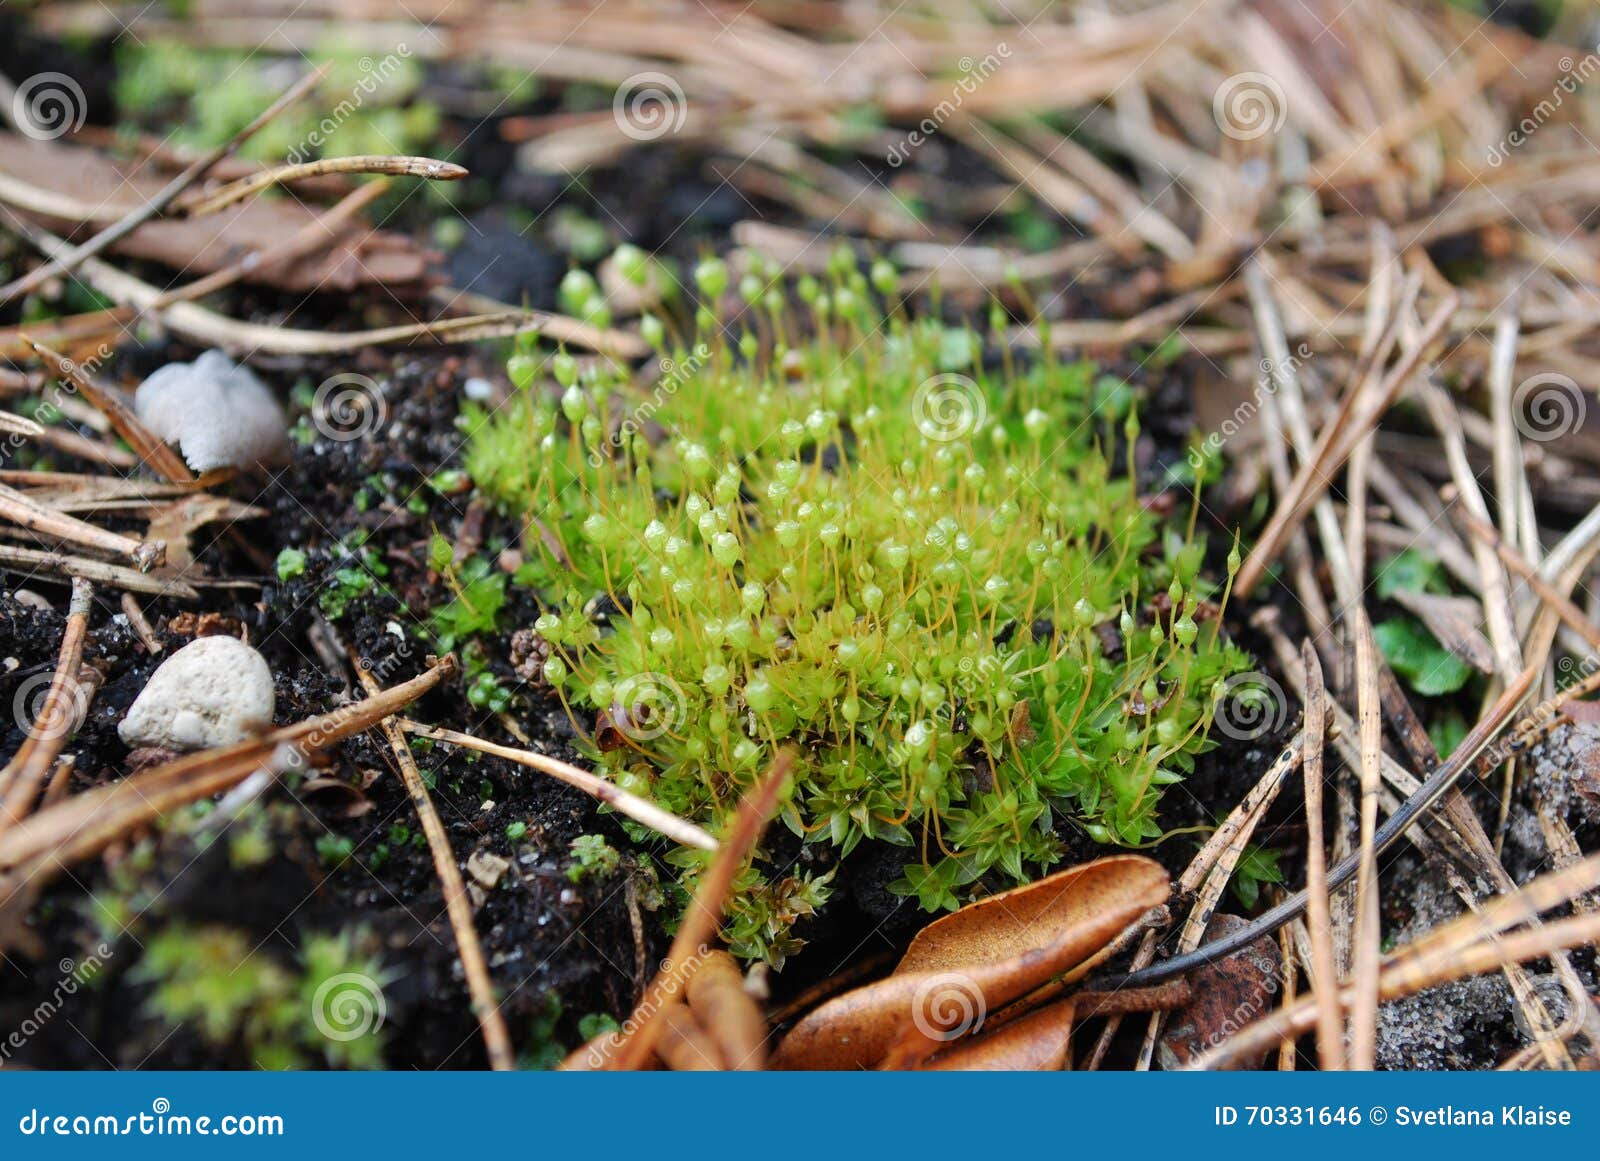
(213, 692)
(487, 868)
(32, 599)
(215, 412)
(476, 389)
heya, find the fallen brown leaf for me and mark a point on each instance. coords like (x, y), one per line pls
(961, 967)
(1038, 1041)
(1235, 991)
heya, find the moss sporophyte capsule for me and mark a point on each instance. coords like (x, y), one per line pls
(946, 630)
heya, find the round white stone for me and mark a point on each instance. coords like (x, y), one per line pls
(213, 692)
(215, 412)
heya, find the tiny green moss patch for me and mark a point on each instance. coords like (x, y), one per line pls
(921, 572)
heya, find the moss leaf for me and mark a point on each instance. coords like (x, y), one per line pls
(1428, 667)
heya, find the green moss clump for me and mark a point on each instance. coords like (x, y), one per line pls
(330, 1007)
(923, 574)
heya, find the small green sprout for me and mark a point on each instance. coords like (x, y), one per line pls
(1416, 655)
(450, 482)
(364, 573)
(597, 1024)
(592, 857)
(542, 1049)
(484, 692)
(334, 850)
(1257, 865)
(291, 564)
(1407, 644)
(480, 592)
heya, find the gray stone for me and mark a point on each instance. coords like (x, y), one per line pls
(213, 692)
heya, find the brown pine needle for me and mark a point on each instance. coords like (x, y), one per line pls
(14, 424)
(32, 561)
(60, 713)
(1573, 617)
(1330, 1025)
(76, 255)
(397, 166)
(491, 1021)
(639, 809)
(302, 242)
(717, 999)
(1359, 414)
(28, 513)
(1471, 945)
(633, 1047)
(1368, 930)
(150, 449)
